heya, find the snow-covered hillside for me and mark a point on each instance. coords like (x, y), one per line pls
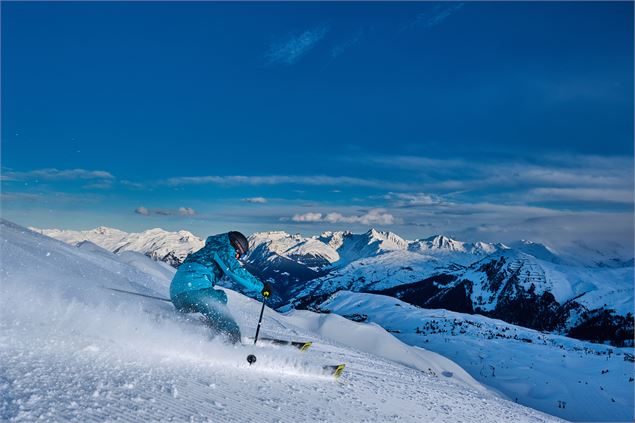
(372, 273)
(574, 380)
(72, 350)
(170, 247)
(593, 303)
(591, 287)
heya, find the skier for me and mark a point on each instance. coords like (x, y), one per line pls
(192, 288)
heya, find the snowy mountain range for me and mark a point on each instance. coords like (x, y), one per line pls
(169, 247)
(74, 350)
(587, 294)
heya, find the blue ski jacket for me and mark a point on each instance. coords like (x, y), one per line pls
(201, 269)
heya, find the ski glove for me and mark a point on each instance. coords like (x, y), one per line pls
(266, 290)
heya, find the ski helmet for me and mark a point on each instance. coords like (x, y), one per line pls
(239, 242)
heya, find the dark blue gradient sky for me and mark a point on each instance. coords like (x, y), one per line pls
(473, 119)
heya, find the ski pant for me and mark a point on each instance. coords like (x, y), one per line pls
(212, 304)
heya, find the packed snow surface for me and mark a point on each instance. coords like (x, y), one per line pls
(72, 350)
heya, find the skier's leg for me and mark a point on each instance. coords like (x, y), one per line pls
(184, 302)
(212, 304)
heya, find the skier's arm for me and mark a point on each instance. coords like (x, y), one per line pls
(234, 270)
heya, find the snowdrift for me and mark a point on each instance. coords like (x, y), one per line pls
(72, 350)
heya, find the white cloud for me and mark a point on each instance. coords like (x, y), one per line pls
(20, 196)
(559, 230)
(186, 211)
(372, 217)
(133, 185)
(291, 51)
(314, 180)
(441, 13)
(105, 184)
(601, 195)
(255, 200)
(142, 211)
(49, 198)
(307, 217)
(604, 176)
(512, 180)
(436, 16)
(401, 199)
(411, 162)
(56, 174)
(181, 211)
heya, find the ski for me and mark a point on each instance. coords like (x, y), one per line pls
(300, 345)
(334, 370)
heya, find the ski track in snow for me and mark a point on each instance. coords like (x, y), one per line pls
(82, 379)
(72, 351)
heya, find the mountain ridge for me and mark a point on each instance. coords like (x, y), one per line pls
(523, 282)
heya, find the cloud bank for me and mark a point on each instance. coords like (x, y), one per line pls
(372, 217)
(312, 180)
(52, 174)
(255, 200)
(181, 211)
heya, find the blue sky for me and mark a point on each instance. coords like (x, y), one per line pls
(486, 121)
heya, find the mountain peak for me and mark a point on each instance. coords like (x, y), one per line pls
(105, 230)
(442, 242)
(154, 231)
(385, 240)
(536, 249)
(271, 234)
(331, 234)
(334, 239)
(440, 239)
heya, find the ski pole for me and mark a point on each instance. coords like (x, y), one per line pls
(262, 311)
(139, 294)
(266, 292)
(251, 359)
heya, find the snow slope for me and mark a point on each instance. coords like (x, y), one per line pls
(572, 379)
(71, 350)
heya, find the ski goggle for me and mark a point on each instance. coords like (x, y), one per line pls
(239, 249)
